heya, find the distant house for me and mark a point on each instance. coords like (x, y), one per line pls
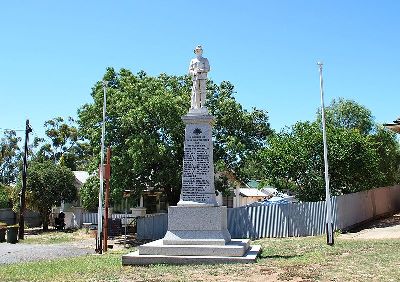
(241, 193)
(72, 211)
(245, 196)
(80, 178)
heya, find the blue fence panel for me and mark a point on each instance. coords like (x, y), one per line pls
(152, 227)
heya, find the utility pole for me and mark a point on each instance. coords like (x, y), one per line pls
(100, 209)
(329, 223)
(28, 130)
(107, 176)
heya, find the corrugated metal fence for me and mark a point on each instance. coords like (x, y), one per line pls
(92, 217)
(297, 219)
(152, 226)
(32, 219)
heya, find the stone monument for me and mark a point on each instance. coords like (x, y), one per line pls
(197, 226)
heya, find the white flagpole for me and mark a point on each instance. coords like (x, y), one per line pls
(100, 210)
(329, 225)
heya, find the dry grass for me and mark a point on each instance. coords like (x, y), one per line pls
(37, 236)
(288, 259)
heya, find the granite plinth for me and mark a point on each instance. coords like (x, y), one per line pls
(197, 218)
(235, 248)
(135, 259)
(199, 237)
(198, 111)
(197, 225)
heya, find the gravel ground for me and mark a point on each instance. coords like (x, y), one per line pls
(14, 253)
(385, 228)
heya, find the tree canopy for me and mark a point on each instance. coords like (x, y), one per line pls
(47, 185)
(5, 197)
(62, 144)
(89, 194)
(361, 154)
(10, 156)
(146, 133)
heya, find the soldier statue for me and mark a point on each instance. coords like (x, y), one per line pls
(198, 69)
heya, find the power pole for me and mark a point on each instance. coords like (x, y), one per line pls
(329, 223)
(28, 130)
(107, 175)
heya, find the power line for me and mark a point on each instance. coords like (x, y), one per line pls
(9, 129)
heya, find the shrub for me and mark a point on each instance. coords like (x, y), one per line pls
(5, 201)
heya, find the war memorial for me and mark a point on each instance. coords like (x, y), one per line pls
(197, 226)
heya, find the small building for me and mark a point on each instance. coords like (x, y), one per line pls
(80, 178)
(247, 196)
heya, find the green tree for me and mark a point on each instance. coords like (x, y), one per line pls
(348, 114)
(361, 155)
(5, 198)
(10, 156)
(387, 146)
(89, 194)
(146, 133)
(47, 185)
(62, 144)
(238, 133)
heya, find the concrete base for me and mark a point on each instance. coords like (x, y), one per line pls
(235, 248)
(197, 235)
(197, 226)
(192, 237)
(135, 259)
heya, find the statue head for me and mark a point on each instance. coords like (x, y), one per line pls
(198, 51)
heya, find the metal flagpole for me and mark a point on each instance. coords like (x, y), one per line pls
(329, 224)
(100, 210)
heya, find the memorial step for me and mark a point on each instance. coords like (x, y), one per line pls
(235, 248)
(135, 259)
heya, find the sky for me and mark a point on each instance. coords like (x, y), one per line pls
(53, 52)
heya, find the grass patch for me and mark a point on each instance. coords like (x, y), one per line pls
(55, 237)
(299, 259)
(86, 268)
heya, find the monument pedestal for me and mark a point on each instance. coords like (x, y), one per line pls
(197, 226)
(202, 225)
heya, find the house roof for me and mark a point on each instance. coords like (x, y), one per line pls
(251, 192)
(81, 176)
(252, 184)
(270, 190)
(395, 126)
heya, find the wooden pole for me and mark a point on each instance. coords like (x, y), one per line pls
(107, 177)
(28, 130)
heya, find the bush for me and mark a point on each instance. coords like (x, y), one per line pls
(89, 194)
(5, 201)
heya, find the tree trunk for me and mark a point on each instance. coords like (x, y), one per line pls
(45, 220)
(173, 196)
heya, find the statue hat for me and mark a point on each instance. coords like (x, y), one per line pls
(198, 47)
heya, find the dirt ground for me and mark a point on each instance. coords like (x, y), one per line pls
(386, 228)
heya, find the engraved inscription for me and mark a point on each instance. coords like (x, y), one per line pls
(197, 178)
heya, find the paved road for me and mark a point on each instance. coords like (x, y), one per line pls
(20, 252)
